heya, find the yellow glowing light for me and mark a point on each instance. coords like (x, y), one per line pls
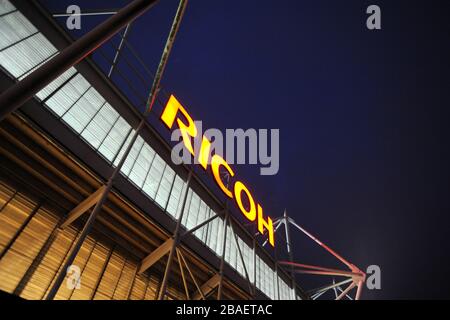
(205, 150)
(267, 224)
(189, 130)
(251, 213)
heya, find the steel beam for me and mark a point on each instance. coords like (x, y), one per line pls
(222, 258)
(101, 12)
(329, 287)
(175, 240)
(346, 291)
(84, 206)
(208, 286)
(191, 274)
(242, 260)
(359, 290)
(323, 245)
(24, 90)
(156, 254)
(328, 273)
(201, 225)
(340, 290)
(290, 248)
(180, 264)
(119, 50)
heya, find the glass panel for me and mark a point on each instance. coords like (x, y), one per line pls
(175, 197)
(258, 272)
(25, 55)
(273, 284)
(202, 216)
(38, 65)
(119, 156)
(142, 165)
(164, 187)
(186, 208)
(154, 177)
(213, 232)
(13, 27)
(100, 125)
(220, 230)
(44, 93)
(266, 280)
(132, 155)
(6, 6)
(207, 231)
(248, 258)
(284, 289)
(61, 101)
(192, 216)
(233, 248)
(114, 139)
(79, 116)
(228, 246)
(239, 265)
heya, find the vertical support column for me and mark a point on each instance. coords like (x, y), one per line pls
(242, 259)
(92, 217)
(176, 239)
(359, 290)
(277, 281)
(290, 251)
(180, 264)
(222, 259)
(224, 243)
(346, 291)
(200, 291)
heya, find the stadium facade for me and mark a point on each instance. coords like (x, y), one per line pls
(61, 147)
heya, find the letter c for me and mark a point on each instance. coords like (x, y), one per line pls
(216, 162)
(251, 213)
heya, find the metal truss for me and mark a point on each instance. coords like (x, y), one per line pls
(101, 12)
(355, 278)
(172, 248)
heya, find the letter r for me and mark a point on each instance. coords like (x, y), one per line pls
(189, 130)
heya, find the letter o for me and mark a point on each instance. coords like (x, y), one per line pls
(238, 188)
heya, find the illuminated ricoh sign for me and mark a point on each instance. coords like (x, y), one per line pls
(252, 211)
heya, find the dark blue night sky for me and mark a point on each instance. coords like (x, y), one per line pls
(363, 117)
